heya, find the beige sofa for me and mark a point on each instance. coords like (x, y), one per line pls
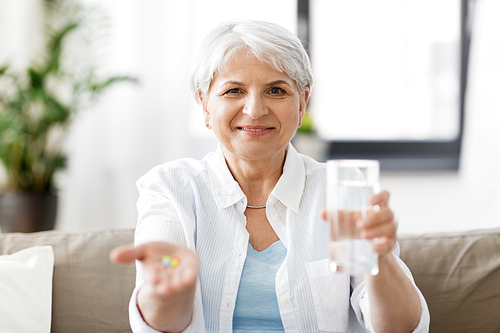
(458, 273)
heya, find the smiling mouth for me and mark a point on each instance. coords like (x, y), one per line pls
(255, 129)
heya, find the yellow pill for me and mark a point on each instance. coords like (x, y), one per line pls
(174, 262)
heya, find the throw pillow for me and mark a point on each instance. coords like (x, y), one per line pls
(26, 290)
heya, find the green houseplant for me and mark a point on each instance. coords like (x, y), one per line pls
(306, 139)
(37, 107)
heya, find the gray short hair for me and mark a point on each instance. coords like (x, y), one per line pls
(269, 42)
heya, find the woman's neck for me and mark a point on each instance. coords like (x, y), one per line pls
(256, 177)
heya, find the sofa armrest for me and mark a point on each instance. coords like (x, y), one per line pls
(459, 275)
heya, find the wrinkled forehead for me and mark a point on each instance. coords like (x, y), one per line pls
(241, 57)
(245, 68)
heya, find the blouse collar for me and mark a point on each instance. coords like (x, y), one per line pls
(227, 191)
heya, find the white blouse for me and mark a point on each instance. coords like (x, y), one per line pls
(198, 204)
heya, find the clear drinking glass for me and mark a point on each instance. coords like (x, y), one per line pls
(350, 186)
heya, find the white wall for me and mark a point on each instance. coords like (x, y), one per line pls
(134, 128)
(20, 23)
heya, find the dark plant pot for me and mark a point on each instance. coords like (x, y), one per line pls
(27, 211)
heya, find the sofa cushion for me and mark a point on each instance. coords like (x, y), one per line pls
(90, 294)
(459, 275)
(26, 290)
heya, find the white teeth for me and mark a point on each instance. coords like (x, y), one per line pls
(253, 129)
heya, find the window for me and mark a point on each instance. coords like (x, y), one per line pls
(390, 78)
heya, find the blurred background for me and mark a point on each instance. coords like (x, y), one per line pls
(409, 92)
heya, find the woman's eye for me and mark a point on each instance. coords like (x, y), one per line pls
(276, 91)
(233, 91)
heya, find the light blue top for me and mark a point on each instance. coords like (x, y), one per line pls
(256, 307)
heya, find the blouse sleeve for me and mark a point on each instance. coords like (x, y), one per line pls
(159, 219)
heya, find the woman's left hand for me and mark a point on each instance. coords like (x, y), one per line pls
(394, 302)
(380, 225)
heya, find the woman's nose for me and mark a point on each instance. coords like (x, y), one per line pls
(255, 107)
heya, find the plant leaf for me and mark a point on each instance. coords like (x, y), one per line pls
(4, 69)
(36, 78)
(97, 87)
(55, 47)
(55, 112)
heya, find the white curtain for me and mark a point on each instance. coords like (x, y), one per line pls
(133, 127)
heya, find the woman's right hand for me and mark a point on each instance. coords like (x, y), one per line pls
(166, 297)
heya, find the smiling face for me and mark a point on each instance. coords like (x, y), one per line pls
(253, 109)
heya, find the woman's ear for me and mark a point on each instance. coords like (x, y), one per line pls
(207, 120)
(204, 105)
(201, 96)
(304, 98)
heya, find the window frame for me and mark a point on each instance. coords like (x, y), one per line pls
(404, 154)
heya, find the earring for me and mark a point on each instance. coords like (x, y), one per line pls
(300, 124)
(207, 125)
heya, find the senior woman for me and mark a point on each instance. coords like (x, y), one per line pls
(236, 242)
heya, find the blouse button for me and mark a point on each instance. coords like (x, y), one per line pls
(283, 300)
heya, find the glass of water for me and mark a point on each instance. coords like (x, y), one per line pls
(350, 186)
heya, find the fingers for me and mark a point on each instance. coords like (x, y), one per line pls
(380, 199)
(151, 252)
(125, 254)
(383, 245)
(379, 224)
(382, 229)
(323, 214)
(164, 277)
(374, 218)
